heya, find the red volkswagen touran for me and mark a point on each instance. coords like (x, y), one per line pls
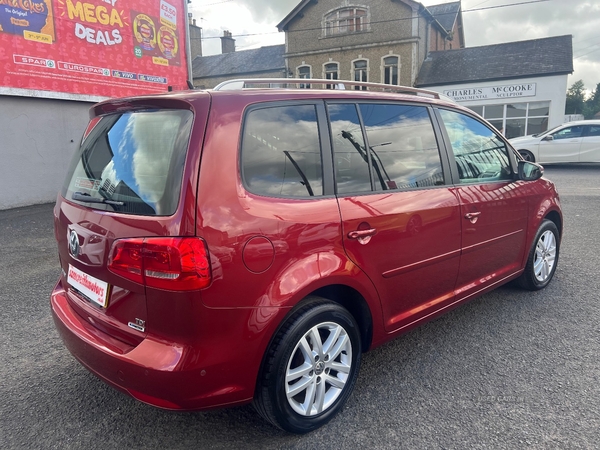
(248, 245)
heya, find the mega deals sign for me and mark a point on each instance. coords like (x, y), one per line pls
(97, 48)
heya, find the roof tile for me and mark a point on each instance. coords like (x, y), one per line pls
(536, 57)
(262, 59)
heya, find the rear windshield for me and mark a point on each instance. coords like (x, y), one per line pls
(132, 163)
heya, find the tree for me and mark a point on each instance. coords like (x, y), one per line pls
(592, 104)
(575, 98)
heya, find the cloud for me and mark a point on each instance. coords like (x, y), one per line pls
(253, 23)
(270, 13)
(579, 18)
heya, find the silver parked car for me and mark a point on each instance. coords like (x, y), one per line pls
(569, 142)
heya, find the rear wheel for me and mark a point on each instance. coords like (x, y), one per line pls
(311, 368)
(527, 155)
(543, 257)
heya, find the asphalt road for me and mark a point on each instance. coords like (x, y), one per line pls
(511, 369)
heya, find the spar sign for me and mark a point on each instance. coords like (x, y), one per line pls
(98, 48)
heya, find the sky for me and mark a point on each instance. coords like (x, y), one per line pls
(253, 24)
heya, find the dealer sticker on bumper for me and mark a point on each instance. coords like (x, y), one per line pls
(94, 289)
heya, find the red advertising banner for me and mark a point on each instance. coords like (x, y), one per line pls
(98, 48)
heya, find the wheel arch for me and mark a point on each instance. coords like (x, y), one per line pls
(356, 305)
(555, 217)
(345, 296)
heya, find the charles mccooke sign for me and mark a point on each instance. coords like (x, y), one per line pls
(492, 92)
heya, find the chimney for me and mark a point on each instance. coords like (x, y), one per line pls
(195, 37)
(227, 43)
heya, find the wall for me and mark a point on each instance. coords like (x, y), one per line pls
(395, 28)
(38, 138)
(550, 88)
(389, 21)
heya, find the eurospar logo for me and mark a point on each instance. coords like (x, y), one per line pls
(83, 69)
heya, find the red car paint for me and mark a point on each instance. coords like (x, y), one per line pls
(417, 254)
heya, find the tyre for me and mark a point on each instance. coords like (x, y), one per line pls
(542, 259)
(527, 155)
(310, 368)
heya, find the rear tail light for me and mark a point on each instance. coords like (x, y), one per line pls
(174, 264)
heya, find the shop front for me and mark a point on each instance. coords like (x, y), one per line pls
(520, 87)
(514, 107)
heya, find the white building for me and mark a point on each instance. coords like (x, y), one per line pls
(520, 87)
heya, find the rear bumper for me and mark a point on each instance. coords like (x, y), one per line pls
(158, 372)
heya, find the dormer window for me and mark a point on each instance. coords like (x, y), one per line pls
(346, 20)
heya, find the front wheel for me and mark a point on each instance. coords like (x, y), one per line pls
(543, 257)
(527, 155)
(311, 368)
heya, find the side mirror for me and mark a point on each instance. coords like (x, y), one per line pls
(529, 171)
(548, 138)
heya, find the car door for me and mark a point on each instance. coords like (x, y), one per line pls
(564, 145)
(590, 144)
(400, 219)
(493, 206)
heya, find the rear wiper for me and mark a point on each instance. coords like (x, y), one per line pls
(84, 197)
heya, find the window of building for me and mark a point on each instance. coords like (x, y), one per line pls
(281, 152)
(391, 66)
(346, 20)
(360, 69)
(331, 71)
(516, 119)
(304, 72)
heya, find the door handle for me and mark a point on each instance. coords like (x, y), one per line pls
(473, 216)
(362, 236)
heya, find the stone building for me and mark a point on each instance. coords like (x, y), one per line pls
(383, 41)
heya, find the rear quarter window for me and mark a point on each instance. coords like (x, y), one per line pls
(281, 152)
(132, 163)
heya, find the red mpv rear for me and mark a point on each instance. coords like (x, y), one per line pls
(224, 247)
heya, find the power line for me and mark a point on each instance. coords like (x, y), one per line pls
(389, 20)
(585, 54)
(217, 3)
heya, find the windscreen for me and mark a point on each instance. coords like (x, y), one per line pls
(132, 163)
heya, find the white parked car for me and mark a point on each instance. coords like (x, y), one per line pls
(569, 142)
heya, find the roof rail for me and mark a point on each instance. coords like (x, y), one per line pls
(312, 83)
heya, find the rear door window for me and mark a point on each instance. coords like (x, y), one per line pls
(383, 147)
(403, 146)
(351, 161)
(132, 163)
